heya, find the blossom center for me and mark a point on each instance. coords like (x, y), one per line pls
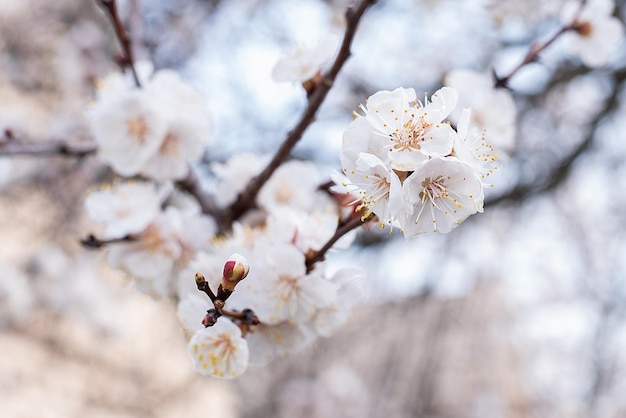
(410, 135)
(138, 128)
(433, 189)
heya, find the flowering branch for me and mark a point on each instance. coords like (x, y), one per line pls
(535, 49)
(320, 255)
(126, 58)
(247, 198)
(561, 170)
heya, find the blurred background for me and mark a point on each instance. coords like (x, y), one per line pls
(519, 312)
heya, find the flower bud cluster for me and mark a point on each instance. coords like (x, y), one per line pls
(293, 305)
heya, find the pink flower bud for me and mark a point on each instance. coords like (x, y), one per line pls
(235, 270)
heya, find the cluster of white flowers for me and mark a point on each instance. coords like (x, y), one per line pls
(404, 163)
(154, 130)
(305, 62)
(295, 306)
(160, 240)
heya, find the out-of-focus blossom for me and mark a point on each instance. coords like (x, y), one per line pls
(219, 350)
(235, 174)
(596, 33)
(155, 130)
(123, 208)
(305, 62)
(493, 109)
(294, 184)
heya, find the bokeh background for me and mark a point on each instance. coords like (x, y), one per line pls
(519, 312)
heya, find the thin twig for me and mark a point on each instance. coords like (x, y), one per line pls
(535, 49)
(246, 200)
(93, 243)
(320, 254)
(127, 54)
(49, 148)
(561, 170)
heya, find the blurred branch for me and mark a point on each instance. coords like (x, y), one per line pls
(126, 59)
(10, 146)
(342, 230)
(94, 243)
(191, 184)
(535, 49)
(246, 200)
(561, 170)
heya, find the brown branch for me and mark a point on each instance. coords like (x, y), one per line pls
(246, 200)
(320, 255)
(10, 146)
(191, 184)
(127, 59)
(535, 49)
(561, 170)
(94, 243)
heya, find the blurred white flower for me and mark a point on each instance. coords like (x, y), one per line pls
(350, 293)
(286, 291)
(128, 129)
(493, 109)
(16, 297)
(219, 350)
(596, 33)
(123, 208)
(235, 174)
(444, 193)
(305, 62)
(188, 131)
(155, 130)
(169, 242)
(294, 184)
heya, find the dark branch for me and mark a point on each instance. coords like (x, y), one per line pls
(246, 200)
(11, 146)
(93, 243)
(561, 170)
(127, 59)
(535, 49)
(320, 255)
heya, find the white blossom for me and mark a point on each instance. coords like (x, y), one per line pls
(128, 128)
(444, 193)
(303, 63)
(596, 33)
(219, 350)
(413, 131)
(294, 184)
(287, 292)
(493, 109)
(123, 208)
(235, 174)
(188, 127)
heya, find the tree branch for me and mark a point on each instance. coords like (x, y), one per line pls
(246, 200)
(126, 59)
(10, 146)
(535, 49)
(561, 170)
